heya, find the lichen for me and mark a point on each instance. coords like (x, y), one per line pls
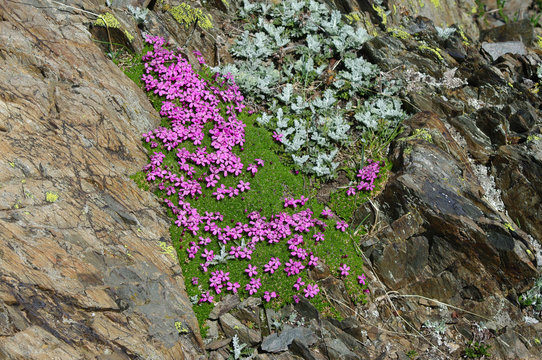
(353, 17)
(463, 36)
(399, 33)
(186, 15)
(107, 20)
(435, 51)
(382, 13)
(51, 197)
(168, 250)
(129, 36)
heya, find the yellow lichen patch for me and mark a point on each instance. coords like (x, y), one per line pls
(423, 134)
(51, 197)
(382, 13)
(107, 20)
(436, 51)
(399, 33)
(187, 15)
(531, 138)
(436, 3)
(353, 17)
(168, 250)
(463, 36)
(539, 41)
(129, 36)
(509, 227)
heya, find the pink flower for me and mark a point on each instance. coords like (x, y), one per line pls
(318, 237)
(351, 191)
(269, 295)
(233, 287)
(195, 281)
(361, 279)
(327, 213)
(251, 270)
(252, 168)
(341, 225)
(243, 186)
(259, 162)
(313, 261)
(299, 282)
(311, 290)
(206, 297)
(344, 269)
(277, 137)
(296, 299)
(208, 255)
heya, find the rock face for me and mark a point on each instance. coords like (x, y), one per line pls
(86, 267)
(83, 274)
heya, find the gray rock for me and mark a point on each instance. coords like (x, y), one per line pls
(231, 326)
(225, 305)
(277, 343)
(496, 50)
(217, 344)
(249, 310)
(212, 329)
(337, 350)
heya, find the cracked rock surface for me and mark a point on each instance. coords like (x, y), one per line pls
(82, 271)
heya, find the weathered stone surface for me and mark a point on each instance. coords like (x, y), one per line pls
(231, 326)
(514, 31)
(226, 304)
(461, 228)
(83, 273)
(519, 170)
(496, 50)
(280, 342)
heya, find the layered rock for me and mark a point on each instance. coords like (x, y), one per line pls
(83, 271)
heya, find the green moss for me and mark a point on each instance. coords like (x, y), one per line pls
(107, 20)
(186, 15)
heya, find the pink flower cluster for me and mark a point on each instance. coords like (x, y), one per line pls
(192, 104)
(294, 202)
(368, 175)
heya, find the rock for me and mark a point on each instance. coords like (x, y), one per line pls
(306, 309)
(519, 174)
(212, 330)
(249, 310)
(80, 243)
(496, 50)
(337, 350)
(276, 343)
(338, 295)
(231, 326)
(514, 31)
(217, 344)
(300, 349)
(341, 340)
(227, 303)
(460, 226)
(352, 327)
